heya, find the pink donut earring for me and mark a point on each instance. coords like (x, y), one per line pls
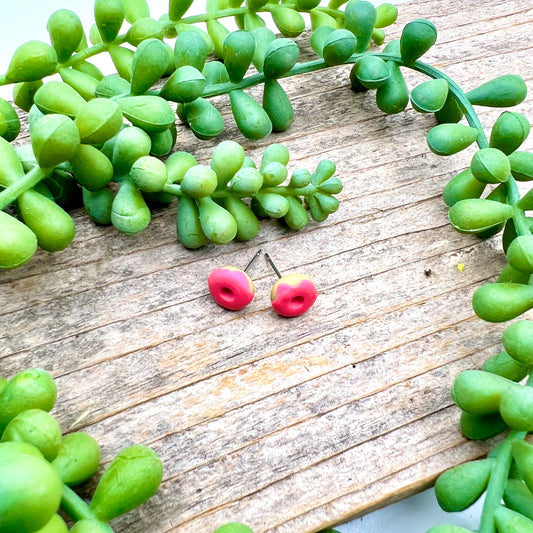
(293, 294)
(231, 287)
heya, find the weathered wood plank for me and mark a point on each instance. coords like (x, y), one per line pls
(289, 425)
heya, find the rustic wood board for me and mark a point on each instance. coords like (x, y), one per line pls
(289, 425)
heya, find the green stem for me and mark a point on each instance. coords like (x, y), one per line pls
(193, 19)
(499, 476)
(513, 194)
(498, 480)
(519, 218)
(432, 72)
(256, 79)
(32, 178)
(85, 54)
(289, 191)
(520, 222)
(219, 14)
(318, 64)
(173, 188)
(78, 58)
(74, 506)
(235, 11)
(335, 13)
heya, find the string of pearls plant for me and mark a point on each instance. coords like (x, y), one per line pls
(108, 143)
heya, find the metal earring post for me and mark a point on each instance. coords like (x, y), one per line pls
(258, 253)
(278, 273)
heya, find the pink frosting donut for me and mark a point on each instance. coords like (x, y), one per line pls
(293, 295)
(230, 287)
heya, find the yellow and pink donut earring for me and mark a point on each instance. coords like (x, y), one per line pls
(293, 294)
(231, 287)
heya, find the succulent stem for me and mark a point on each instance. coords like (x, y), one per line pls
(32, 178)
(75, 506)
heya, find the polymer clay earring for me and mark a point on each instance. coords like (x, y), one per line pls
(231, 287)
(293, 294)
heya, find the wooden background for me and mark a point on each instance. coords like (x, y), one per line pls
(289, 425)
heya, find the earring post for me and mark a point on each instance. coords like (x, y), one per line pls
(258, 253)
(273, 265)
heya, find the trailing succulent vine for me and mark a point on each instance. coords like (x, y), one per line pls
(39, 466)
(108, 142)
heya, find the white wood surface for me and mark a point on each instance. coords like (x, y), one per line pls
(289, 425)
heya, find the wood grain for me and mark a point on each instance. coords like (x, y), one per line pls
(288, 425)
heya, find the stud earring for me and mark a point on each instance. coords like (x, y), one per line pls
(293, 294)
(231, 287)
